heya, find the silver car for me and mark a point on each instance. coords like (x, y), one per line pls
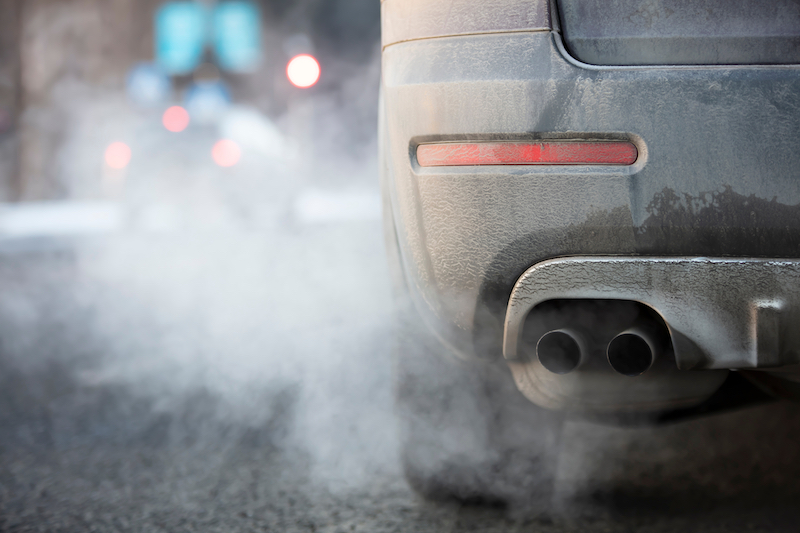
(592, 209)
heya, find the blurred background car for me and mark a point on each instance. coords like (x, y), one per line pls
(594, 201)
(76, 77)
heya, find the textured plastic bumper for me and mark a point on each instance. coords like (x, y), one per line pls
(717, 174)
(721, 313)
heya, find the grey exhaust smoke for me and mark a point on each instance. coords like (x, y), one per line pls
(560, 351)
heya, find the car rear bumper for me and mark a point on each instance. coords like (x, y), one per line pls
(716, 176)
(722, 313)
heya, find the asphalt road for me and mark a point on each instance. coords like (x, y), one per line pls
(219, 359)
(240, 381)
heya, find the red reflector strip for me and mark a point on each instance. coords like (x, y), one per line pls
(519, 153)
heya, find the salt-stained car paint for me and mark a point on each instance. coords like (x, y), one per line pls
(716, 171)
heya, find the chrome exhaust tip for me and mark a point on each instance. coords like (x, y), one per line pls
(632, 352)
(560, 351)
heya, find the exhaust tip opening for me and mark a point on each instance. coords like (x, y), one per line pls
(630, 354)
(559, 351)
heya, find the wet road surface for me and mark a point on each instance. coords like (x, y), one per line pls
(240, 381)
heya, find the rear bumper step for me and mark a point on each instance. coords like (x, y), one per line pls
(720, 313)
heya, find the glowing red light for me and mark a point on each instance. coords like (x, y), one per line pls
(521, 153)
(303, 71)
(226, 153)
(175, 119)
(118, 155)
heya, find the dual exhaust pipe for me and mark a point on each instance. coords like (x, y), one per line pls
(630, 353)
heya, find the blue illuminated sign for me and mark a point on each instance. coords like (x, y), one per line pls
(206, 101)
(236, 35)
(181, 32)
(148, 85)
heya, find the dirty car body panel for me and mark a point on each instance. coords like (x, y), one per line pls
(712, 198)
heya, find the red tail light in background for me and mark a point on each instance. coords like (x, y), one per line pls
(527, 153)
(175, 119)
(303, 71)
(117, 155)
(226, 153)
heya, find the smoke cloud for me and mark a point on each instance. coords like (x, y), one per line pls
(186, 347)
